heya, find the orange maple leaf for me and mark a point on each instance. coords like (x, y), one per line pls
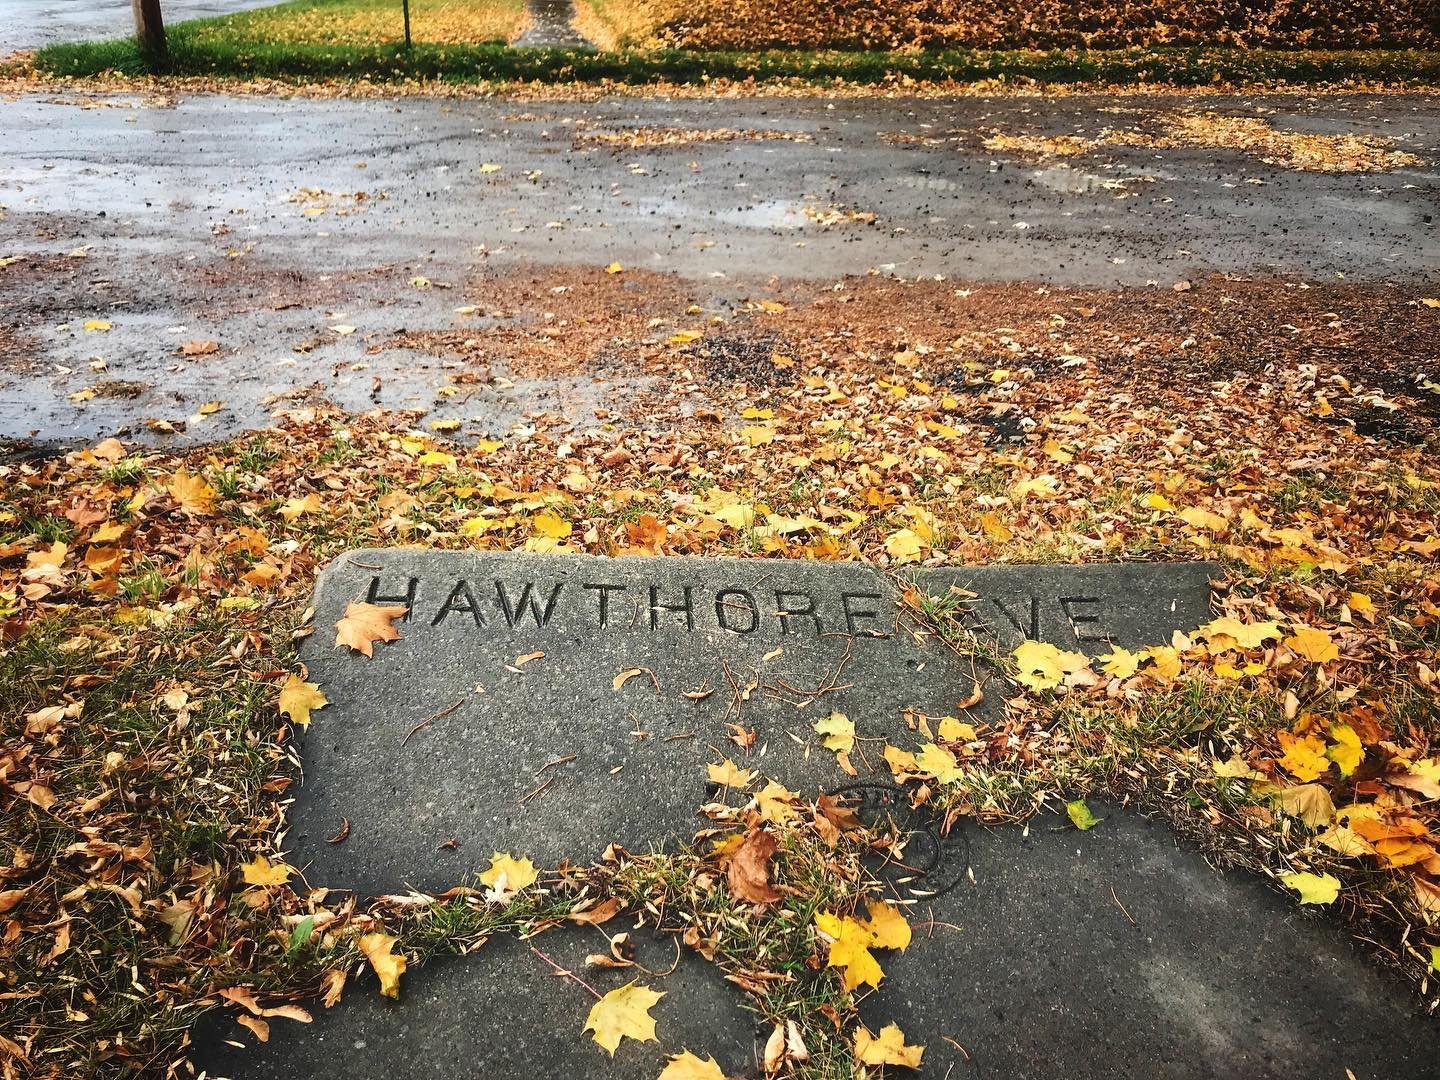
(364, 624)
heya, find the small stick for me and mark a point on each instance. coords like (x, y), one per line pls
(553, 762)
(1121, 907)
(364, 565)
(568, 974)
(433, 716)
(526, 798)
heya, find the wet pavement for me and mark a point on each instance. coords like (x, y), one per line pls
(29, 24)
(551, 26)
(264, 223)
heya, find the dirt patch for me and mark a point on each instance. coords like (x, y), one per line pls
(553, 321)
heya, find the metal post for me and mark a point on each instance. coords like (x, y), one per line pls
(406, 5)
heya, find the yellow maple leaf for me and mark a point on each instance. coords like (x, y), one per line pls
(623, 1013)
(901, 762)
(938, 762)
(550, 524)
(953, 730)
(192, 493)
(1313, 644)
(1202, 520)
(1121, 663)
(887, 1048)
(887, 926)
(686, 1066)
(298, 698)
(1311, 803)
(1044, 486)
(1166, 660)
(1230, 671)
(728, 774)
(837, 731)
(994, 528)
(1043, 666)
(614, 268)
(508, 874)
(1230, 633)
(850, 950)
(1346, 751)
(264, 873)
(775, 802)
(1361, 603)
(904, 546)
(291, 509)
(364, 624)
(388, 965)
(96, 326)
(1313, 888)
(1304, 758)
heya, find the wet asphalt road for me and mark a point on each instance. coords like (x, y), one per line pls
(151, 180)
(365, 194)
(29, 24)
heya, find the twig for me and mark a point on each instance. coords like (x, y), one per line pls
(553, 762)
(432, 717)
(1122, 907)
(567, 974)
(536, 791)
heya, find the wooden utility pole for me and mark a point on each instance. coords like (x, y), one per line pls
(149, 29)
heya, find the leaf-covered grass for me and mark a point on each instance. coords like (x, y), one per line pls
(364, 22)
(209, 49)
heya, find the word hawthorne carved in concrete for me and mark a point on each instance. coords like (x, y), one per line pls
(499, 719)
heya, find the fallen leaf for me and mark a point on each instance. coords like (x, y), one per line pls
(937, 762)
(850, 950)
(728, 774)
(1311, 803)
(1304, 757)
(364, 624)
(623, 1013)
(749, 871)
(888, 1048)
(1313, 888)
(199, 348)
(388, 965)
(507, 874)
(298, 698)
(888, 927)
(264, 873)
(1080, 815)
(191, 493)
(1346, 751)
(686, 1066)
(1310, 643)
(1043, 666)
(837, 731)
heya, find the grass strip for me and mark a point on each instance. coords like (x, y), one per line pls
(197, 51)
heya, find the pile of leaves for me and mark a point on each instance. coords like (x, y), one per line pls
(1254, 135)
(149, 599)
(863, 24)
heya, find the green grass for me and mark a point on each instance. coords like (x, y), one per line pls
(195, 49)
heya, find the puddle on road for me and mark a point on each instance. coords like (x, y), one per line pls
(1068, 181)
(771, 214)
(148, 391)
